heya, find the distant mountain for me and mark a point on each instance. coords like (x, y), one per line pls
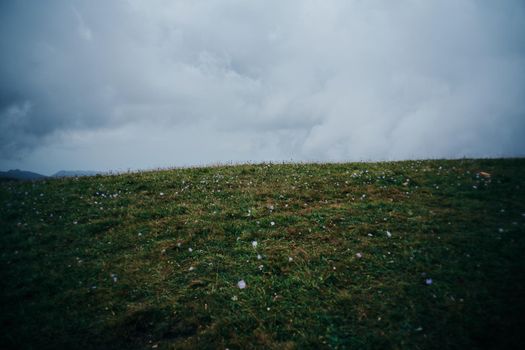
(73, 173)
(18, 174)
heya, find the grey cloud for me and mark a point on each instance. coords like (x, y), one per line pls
(308, 80)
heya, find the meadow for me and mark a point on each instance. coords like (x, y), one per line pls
(390, 255)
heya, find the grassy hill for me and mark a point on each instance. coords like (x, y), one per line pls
(403, 255)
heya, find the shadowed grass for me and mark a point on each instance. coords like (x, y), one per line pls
(152, 259)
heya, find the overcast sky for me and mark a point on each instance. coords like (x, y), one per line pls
(122, 85)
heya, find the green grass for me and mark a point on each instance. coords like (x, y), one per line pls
(104, 262)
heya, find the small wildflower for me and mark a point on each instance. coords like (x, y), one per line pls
(191, 268)
(241, 284)
(261, 267)
(190, 249)
(359, 255)
(290, 259)
(272, 223)
(178, 244)
(428, 281)
(235, 298)
(254, 244)
(388, 234)
(259, 256)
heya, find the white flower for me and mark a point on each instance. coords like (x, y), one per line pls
(190, 250)
(388, 234)
(359, 255)
(191, 268)
(272, 223)
(428, 281)
(162, 193)
(241, 284)
(235, 298)
(290, 259)
(261, 267)
(259, 256)
(254, 244)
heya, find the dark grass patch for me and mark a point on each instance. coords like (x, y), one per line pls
(344, 256)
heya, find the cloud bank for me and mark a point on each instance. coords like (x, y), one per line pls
(138, 84)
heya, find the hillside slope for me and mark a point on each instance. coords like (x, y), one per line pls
(415, 255)
(20, 175)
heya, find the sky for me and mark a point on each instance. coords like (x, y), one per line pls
(129, 84)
